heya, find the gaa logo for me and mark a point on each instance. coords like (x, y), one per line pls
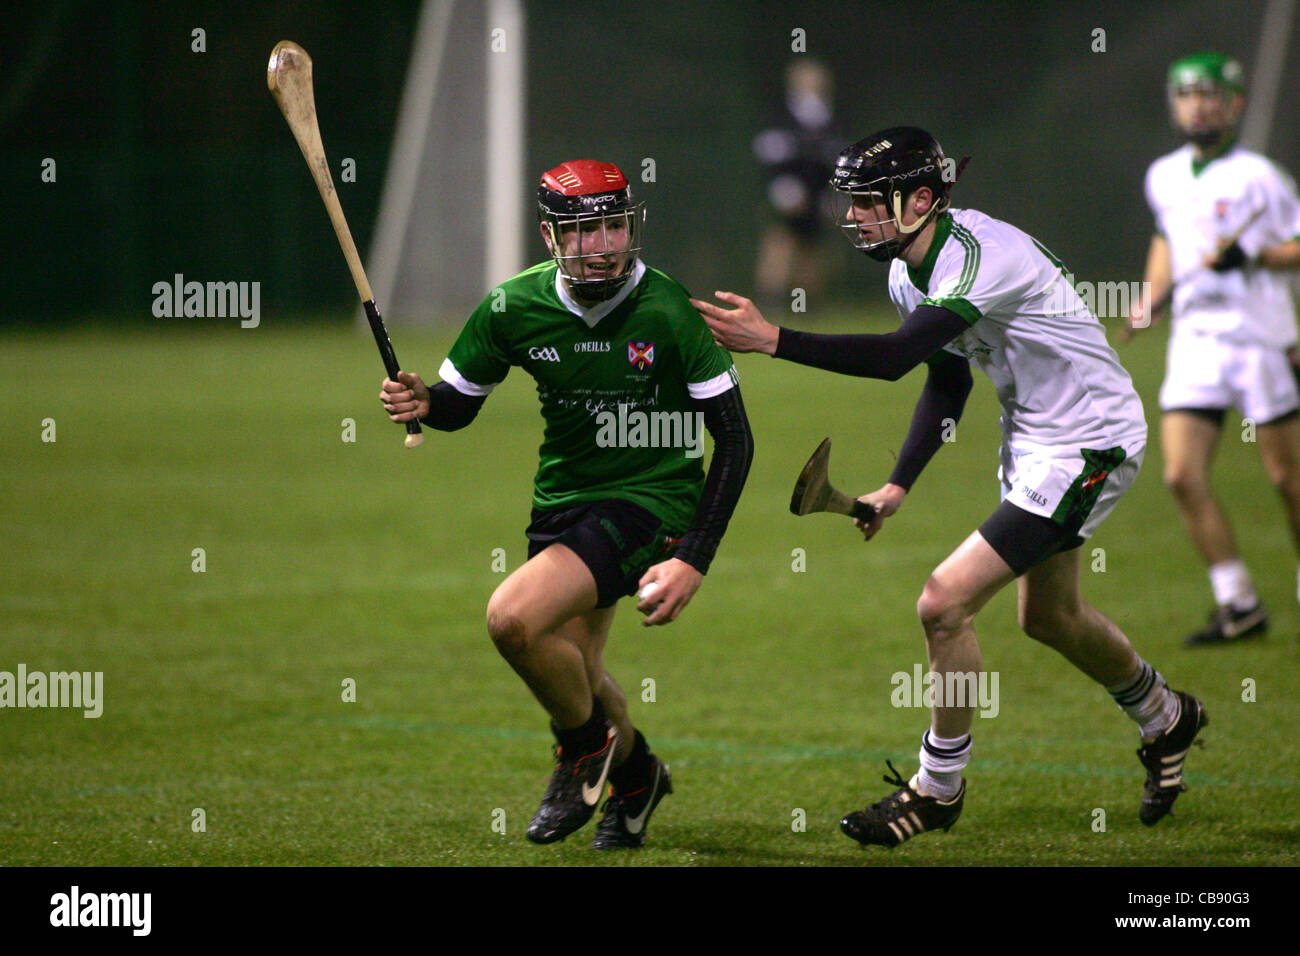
(544, 354)
(641, 355)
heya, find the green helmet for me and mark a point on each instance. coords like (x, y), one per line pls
(1205, 71)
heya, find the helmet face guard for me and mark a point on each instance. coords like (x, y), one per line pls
(875, 176)
(592, 227)
(596, 253)
(871, 196)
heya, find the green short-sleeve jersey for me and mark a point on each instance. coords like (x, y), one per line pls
(615, 383)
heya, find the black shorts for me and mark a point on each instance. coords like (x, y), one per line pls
(1216, 415)
(617, 540)
(1023, 539)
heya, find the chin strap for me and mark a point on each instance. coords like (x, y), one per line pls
(907, 234)
(916, 226)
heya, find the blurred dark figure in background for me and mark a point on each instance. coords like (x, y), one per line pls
(797, 150)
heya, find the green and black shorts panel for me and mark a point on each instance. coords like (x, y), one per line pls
(1081, 497)
(1023, 539)
(617, 540)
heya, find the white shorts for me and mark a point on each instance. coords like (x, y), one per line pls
(1075, 491)
(1205, 373)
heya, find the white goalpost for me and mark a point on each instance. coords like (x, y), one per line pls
(1261, 93)
(1270, 57)
(452, 211)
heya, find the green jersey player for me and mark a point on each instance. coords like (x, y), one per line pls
(628, 378)
(972, 290)
(1233, 320)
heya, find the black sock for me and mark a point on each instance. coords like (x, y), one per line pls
(636, 771)
(585, 739)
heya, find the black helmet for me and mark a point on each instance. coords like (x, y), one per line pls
(890, 165)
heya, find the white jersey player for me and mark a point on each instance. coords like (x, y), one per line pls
(976, 291)
(1067, 403)
(1227, 225)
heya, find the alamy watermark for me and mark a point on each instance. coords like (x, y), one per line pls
(951, 689)
(208, 300)
(76, 689)
(75, 908)
(1102, 299)
(631, 428)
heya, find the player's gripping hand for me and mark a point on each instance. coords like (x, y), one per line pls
(742, 329)
(1136, 320)
(886, 501)
(1229, 257)
(677, 583)
(405, 399)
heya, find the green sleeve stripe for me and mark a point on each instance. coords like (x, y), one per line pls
(1047, 253)
(955, 303)
(970, 281)
(970, 268)
(967, 262)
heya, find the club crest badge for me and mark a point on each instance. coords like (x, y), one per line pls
(641, 355)
(1094, 478)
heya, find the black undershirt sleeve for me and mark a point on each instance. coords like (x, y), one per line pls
(733, 450)
(450, 409)
(942, 400)
(889, 356)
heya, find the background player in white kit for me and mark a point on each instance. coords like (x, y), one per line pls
(975, 290)
(1233, 320)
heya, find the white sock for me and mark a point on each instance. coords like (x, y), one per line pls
(1148, 700)
(942, 761)
(1232, 585)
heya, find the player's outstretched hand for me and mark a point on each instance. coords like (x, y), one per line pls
(886, 501)
(742, 329)
(405, 399)
(676, 583)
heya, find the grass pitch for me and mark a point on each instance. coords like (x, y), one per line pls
(328, 561)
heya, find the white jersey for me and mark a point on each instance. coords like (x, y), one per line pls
(1060, 383)
(1197, 205)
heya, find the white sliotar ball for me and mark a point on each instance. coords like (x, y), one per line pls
(649, 590)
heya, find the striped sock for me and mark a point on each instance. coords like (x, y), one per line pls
(1146, 698)
(942, 761)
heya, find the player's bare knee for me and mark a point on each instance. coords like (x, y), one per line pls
(1186, 484)
(1282, 472)
(508, 632)
(940, 611)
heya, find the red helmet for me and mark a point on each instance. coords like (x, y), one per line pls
(592, 197)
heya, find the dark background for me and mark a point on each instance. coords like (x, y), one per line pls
(172, 161)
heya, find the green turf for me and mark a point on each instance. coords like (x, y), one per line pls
(329, 560)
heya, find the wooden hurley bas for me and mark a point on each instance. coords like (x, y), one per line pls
(289, 77)
(813, 490)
